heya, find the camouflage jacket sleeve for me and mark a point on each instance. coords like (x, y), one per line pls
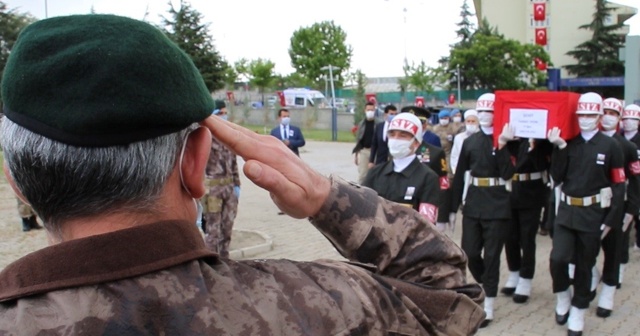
(368, 229)
(234, 169)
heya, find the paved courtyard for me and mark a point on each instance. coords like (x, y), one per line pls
(298, 240)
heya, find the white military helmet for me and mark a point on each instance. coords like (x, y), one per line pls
(590, 103)
(409, 123)
(631, 112)
(612, 104)
(485, 102)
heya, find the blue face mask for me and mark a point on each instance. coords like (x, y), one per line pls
(224, 117)
(285, 121)
(390, 117)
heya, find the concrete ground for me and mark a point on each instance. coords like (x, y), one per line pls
(297, 239)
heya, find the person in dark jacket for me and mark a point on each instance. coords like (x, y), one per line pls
(379, 147)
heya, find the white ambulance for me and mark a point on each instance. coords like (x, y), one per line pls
(301, 97)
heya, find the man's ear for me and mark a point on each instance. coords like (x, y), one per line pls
(194, 162)
(12, 183)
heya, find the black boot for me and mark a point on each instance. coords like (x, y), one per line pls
(33, 222)
(26, 225)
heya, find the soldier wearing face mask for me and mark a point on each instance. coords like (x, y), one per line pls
(616, 244)
(480, 184)
(630, 119)
(456, 120)
(404, 179)
(445, 130)
(590, 168)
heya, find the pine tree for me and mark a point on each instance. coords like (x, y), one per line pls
(11, 23)
(186, 29)
(598, 57)
(465, 27)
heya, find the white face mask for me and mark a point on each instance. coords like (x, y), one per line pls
(457, 119)
(369, 114)
(285, 121)
(485, 119)
(470, 129)
(399, 148)
(609, 122)
(197, 203)
(444, 122)
(587, 124)
(630, 125)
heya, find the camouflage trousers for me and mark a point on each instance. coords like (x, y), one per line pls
(220, 207)
(24, 209)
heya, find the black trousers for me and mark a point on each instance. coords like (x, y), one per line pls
(520, 246)
(612, 249)
(624, 246)
(488, 236)
(637, 220)
(581, 248)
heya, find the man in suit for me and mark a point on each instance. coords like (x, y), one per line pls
(289, 134)
(379, 147)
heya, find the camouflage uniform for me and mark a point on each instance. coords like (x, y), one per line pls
(446, 135)
(160, 279)
(28, 216)
(220, 204)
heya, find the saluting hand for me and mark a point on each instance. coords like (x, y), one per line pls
(295, 188)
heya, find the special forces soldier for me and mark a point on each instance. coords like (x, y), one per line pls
(220, 204)
(528, 196)
(445, 130)
(29, 217)
(127, 258)
(404, 179)
(612, 244)
(434, 158)
(590, 168)
(480, 183)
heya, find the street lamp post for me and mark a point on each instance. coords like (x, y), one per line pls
(334, 111)
(458, 75)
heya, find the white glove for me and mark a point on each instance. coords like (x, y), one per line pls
(452, 222)
(628, 218)
(605, 229)
(508, 134)
(554, 138)
(442, 227)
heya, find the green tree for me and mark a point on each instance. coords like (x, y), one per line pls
(465, 26)
(598, 57)
(320, 45)
(420, 78)
(360, 98)
(230, 76)
(11, 23)
(296, 80)
(261, 75)
(494, 62)
(185, 28)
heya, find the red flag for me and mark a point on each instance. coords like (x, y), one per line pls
(541, 36)
(283, 101)
(419, 101)
(452, 99)
(539, 11)
(371, 98)
(540, 64)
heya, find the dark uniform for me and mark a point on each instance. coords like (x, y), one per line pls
(584, 168)
(487, 208)
(528, 197)
(434, 158)
(616, 244)
(416, 187)
(636, 140)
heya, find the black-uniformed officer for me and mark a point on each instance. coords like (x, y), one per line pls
(434, 158)
(612, 244)
(591, 170)
(528, 196)
(630, 120)
(483, 172)
(404, 179)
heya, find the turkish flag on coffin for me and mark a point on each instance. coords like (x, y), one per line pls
(560, 107)
(541, 36)
(539, 11)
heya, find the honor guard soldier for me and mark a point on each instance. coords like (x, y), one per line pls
(630, 120)
(615, 245)
(590, 168)
(480, 184)
(529, 195)
(434, 158)
(404, 179)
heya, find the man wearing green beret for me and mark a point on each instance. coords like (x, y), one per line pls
(107, 135)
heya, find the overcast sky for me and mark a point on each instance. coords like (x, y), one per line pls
(376, 29)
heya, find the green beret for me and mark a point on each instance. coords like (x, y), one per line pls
(101, 80)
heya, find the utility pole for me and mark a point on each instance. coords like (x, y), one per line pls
(334, 110)
(458, 75)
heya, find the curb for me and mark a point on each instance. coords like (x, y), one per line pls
(250, 251)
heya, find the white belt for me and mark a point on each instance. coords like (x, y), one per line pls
(580, 201)
(528, 176)
(487, 181)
